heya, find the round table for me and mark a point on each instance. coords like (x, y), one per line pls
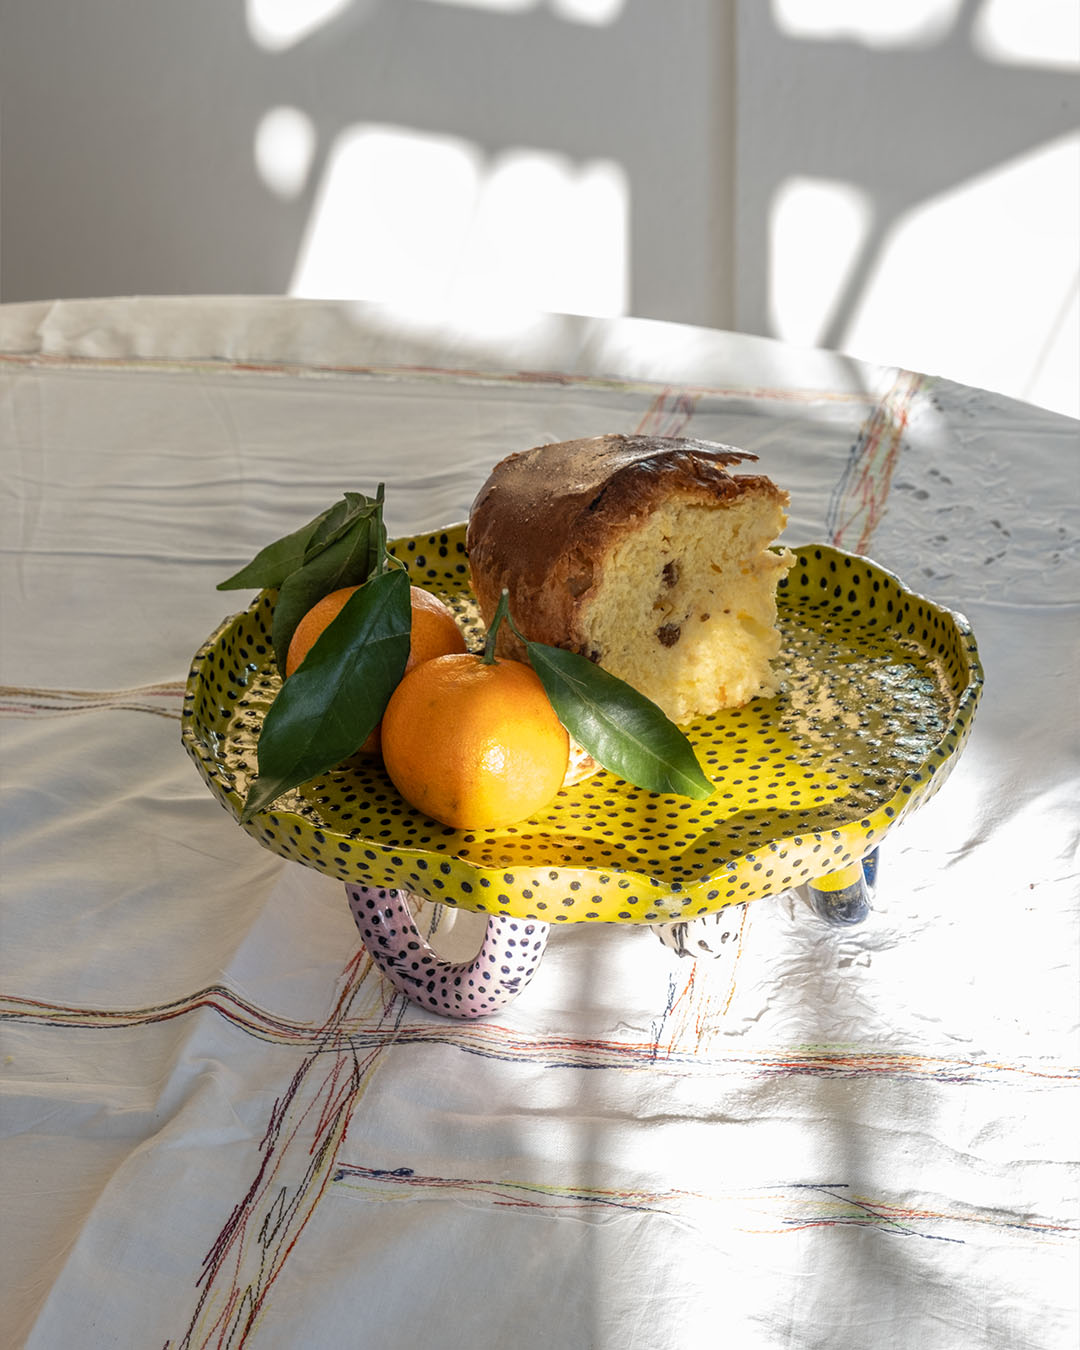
(222, 1125)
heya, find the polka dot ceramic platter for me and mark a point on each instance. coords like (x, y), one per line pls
(879, 692)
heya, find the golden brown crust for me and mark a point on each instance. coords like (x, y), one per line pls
(547, 517)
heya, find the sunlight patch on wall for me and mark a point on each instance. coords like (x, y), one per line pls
(498, 6)
(979, 284)
(277, 25)
(599, 13)
(1029, 32)
(284, 150)
(428, 222)
(596, 13)
(914, 23)
(816, 229)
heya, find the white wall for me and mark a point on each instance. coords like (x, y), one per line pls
(909, 185)
(131, 126)
(787, 167)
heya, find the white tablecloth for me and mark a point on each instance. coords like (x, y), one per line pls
(221, 1126)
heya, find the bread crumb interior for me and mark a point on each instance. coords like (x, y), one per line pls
(685, 607)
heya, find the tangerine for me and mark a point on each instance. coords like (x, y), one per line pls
(433, 631)
(472, 744)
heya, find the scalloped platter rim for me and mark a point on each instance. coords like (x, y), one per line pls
(878, 695)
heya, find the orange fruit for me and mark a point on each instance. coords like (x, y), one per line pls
(433, 632)
(475, 746)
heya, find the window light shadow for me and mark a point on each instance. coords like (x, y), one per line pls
(947, 243)
(432, 223)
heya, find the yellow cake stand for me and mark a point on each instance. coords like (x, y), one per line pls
(879, 691)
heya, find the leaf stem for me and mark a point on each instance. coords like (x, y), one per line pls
(502, 611)
(382, 553)
(513, 626)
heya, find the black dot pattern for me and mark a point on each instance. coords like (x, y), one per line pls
(506, 962)
(880, 688)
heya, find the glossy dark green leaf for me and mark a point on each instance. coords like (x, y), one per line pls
(622, 730)
(273, 564)
(337, 521)
(276, 561)
(346, 562)
(327, 708)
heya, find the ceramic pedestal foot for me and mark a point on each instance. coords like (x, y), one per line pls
(844, 897)
(501, 969)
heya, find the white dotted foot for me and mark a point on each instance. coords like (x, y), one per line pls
(504, 965)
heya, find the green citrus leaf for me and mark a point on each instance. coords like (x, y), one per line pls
(622, 729)
(337, 521)
(277, 561)
(327, 708)
(345, 562)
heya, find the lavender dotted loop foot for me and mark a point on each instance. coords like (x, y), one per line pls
(501, 969)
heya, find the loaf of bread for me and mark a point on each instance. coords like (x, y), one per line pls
(644, 554)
